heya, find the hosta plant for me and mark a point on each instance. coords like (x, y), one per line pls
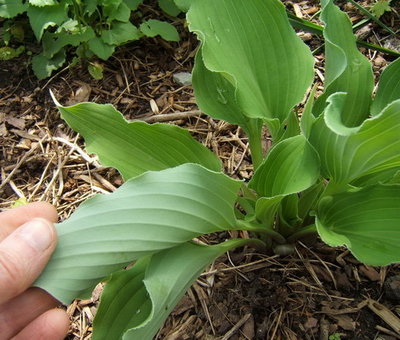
(91, 28)
(333, 171)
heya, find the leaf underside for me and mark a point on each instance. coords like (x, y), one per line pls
(155, 211)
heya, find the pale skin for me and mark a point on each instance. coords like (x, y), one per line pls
(27, 240)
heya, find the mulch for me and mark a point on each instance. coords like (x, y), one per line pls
(317, 293)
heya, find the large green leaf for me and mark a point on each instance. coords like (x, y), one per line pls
(266, 209)
(382, 176)
(124, 302)
(135, 147)
(346, 68)
(11, 8)
(43, 66)
(139, 309)
(120, 32)
(54, 42)
(183, 5)
(169, 7)
(40, 18)
(165, 30)
(149, 213)
(388, 88)
(133, 4)
(254, 47)
(349, 153)
(120, 13)
(215, 96)
(290, 167)
(100, 48)
(367, 221)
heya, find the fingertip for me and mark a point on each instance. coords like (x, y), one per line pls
(52, 325)
(13, 218)
(44, 210)
(58, 322)
(23, 256)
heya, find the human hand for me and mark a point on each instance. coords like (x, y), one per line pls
(27, 240)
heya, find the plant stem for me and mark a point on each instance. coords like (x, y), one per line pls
(255, 144)
(305, 231)
(244, 225)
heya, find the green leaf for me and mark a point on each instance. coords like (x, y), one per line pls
(40, 18)
(120, 33)
(17, 31)
(54, 42)
(20, 202)
(169, 7)
(349, 153)
(133, 4)
(254, 47)
(165, 30)
(346, 68)
(135, 147)
(43, 66)
(266, 209)
(7, 53)
(96, 70)
(124, 303)
(100, 48)
(149, 213)
(289, 211)
(366, 221)
(120, 13)
(307, 117)
(11, 8)
(388, 87)
(167, 277)
(90, 6)
(309, 198)
(291, 127)
(42, 3)
(383, 176)
(290, 167)
(215, 96)
(183, 5)
(380, 7)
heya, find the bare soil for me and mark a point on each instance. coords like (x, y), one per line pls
(316, 293)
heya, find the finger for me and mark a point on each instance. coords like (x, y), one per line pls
(23, 309)
(23, 256)
(52, 325)
(13, 218)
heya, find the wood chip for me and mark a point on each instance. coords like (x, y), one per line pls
(385, 314)
(297, 10)
(154, 107)
(369, 272)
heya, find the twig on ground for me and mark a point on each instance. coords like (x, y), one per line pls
(171, 116)
(18, 165)
(235, 328)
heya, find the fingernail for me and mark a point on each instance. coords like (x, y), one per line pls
(37, 233)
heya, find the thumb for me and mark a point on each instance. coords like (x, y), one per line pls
(23, 256)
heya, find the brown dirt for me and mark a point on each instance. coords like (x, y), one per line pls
(317, 293)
